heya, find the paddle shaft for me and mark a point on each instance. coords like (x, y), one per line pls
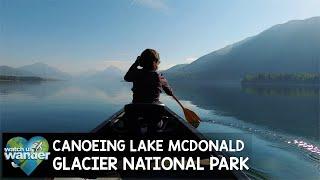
(175, 98)
(191, 117)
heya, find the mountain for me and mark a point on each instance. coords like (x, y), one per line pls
(45, 71)
(291, 47)
(110, 73)
(10, 71)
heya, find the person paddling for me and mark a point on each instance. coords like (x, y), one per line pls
(147, 86)
(146, 108)
(147, 82)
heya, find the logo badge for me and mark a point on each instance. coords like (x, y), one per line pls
(27, 154)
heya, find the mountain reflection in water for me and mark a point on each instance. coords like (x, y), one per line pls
(291, 110)
(280, 124)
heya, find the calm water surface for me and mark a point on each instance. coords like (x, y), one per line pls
(282, 124)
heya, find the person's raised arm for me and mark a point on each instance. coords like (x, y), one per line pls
(165, 85)
(132, 71)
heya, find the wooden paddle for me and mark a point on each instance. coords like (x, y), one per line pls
(191, 116)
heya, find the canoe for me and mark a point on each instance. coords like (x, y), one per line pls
(171, 123)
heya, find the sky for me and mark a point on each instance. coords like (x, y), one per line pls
(84, 35)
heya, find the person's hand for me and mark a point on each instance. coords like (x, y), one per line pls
(137, 60)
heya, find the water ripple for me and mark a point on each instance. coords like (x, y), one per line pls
(311, 150)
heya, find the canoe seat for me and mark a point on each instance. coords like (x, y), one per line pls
(141, 118)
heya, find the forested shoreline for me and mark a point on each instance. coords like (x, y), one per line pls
(23, 78)
(282, 78)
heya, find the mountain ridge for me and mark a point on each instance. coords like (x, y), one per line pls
(45, 71)
(288, 47)
(10, 71)
(109, 73)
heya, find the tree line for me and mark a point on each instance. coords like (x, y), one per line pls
(303, 78)
(21, 78)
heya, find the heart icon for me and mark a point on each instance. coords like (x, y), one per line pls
(28, 154)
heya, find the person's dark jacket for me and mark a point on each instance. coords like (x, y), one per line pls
(147, 85)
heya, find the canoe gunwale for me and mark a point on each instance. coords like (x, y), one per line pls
(108, 121)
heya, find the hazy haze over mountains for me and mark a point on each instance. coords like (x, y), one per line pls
(37, 70)
(10, 71)
(109, 73)
(45, 71)
(285, 48)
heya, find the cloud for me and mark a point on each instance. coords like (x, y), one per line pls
(165, 66)
(190, 59)
(187, 60)
(154, 4)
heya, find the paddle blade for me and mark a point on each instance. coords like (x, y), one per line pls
(191, 117)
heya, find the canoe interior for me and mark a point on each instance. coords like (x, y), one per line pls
(173, 125)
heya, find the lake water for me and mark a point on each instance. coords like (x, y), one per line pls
(282, 123)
